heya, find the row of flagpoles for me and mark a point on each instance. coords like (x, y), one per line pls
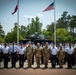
(50, 7)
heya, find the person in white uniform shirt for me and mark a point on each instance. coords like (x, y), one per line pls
(13, 49)
(0, 55)
(5, 51)
(66, 46)
(70, 52)
(54, 51)
(21, 52)
(51, 45)
(73, 55)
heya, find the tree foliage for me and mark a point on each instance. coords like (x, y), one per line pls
(2, 33)
(63, 35)
(12, 36)
(65, 26)
(68, 23)
(34, 26)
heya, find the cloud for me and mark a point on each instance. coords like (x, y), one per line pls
(39, 15)
(29, 16)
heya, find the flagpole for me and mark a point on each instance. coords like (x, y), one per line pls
(18, 24)
(54, 23)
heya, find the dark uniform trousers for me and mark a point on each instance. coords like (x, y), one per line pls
(21, 60)
(73, 60)
(69, 60)
(33, 59)
(13, 60)
(53, 61)
(65, 59)
(5, 57)
(1, 55)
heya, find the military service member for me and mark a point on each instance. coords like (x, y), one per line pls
(46, 54)
(38, 53)
(61, 55)
(29, 54)
(34, 46)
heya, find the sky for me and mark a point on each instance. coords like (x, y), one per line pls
(31, 9)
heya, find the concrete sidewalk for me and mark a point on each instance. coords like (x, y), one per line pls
(36, 71)
(31, 71)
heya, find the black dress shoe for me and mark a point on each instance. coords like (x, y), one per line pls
(22, 66)
(14, 66)
(69, 67)
(61, 67)
(45, 67)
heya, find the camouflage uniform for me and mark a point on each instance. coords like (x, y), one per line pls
(61, 55)
(46, 54)
(29, 54)
(38, 52)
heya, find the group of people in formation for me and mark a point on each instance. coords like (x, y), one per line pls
(58, 55)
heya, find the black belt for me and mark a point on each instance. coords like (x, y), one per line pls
(5, 53)
(14, 52)
(21, 54)
(69, 54)
(54, 55)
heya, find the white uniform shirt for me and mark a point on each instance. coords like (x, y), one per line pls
(34, 46)
(5, 50)
(16, 48)
(75, 46)
(0, 48)
(51, 46)
(54, 51)
(66, 48)
(22, 50)
(70, 50)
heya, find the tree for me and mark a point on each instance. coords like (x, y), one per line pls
(65, 21)
(72, 24)
(12, 36)
(9, 37)
(32, 27)
(63, 35)
(35, 26)
(50, 29)
(62, 22)
(2, 33)
(23, 31)
(46, 34)
(1, 40)
(38, 25)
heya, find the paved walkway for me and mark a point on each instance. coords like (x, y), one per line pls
(36, 71)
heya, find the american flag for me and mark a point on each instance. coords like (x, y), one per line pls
(50, 7)
(15, 10)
